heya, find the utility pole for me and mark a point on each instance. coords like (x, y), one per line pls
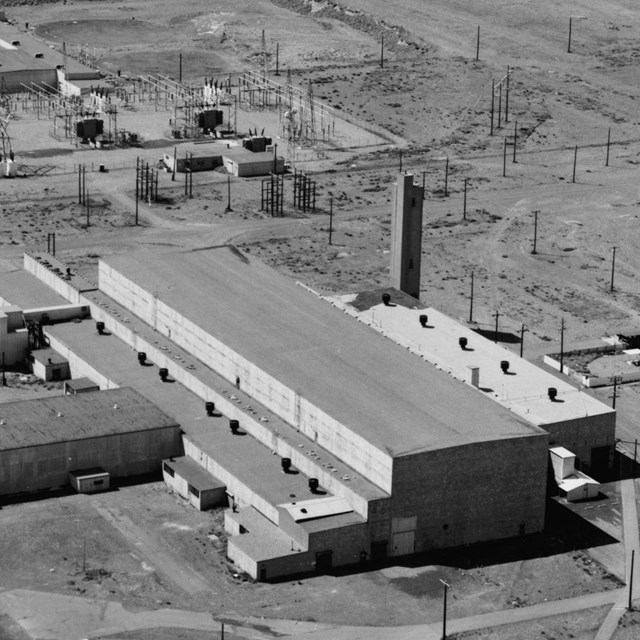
(562, 329)
(228, 209)
(180, 70)
(400, 169)
(613, 266)
(504, 158)
(575, 162)
(515, 140)
(606, 164)
(497, 315)
(506, 100)
(535, 231)
(277, 58)
(522, 330)
(630, 606)
(493, 103)
(446, 586)
(137, 187)
(478, 44)
(88, 209)
(382, 51)
(471, 300)
(570, 28)
(616, 380)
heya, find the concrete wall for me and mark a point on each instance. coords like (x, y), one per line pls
(406, 236)
(58, 313)
(581, 435)
(51, 371)
(439, 497)
(78, 367)
(205, 500)
(13, 344)
(372, 463)
(15, 79)
(51, 279)
(345, 543)
(47, 466)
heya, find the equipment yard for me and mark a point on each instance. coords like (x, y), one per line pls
(531, 206)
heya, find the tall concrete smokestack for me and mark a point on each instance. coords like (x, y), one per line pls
(406, 236)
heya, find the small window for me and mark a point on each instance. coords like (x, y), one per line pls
(168, 470)
(194, 491)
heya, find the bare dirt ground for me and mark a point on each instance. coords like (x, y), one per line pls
(67, 545)
(432, 101)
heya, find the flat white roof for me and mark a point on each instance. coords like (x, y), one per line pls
(317, 508)
(561, 452)
(523, 389)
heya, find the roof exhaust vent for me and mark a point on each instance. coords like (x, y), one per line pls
(164, 374)
(100, 328)
(142, 357)
(423, 320)
(552, 393)
(286, 465)
(210, 408)
(386, 299)
(463, 343)
(313, 485)
(234, 425)
(504, 365)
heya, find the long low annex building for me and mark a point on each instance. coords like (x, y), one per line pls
(453, 467)
(43, 440)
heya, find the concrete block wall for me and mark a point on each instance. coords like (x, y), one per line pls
(229, 408)
(369, 461)
(243, 494)
(59, 313)
(47, 466)
(441, 492)
(146, 306)
(51, 279)
(582, 434)
(78, 367)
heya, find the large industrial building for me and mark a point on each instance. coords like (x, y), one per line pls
(42, 441)
(27, 61)
(332, 444)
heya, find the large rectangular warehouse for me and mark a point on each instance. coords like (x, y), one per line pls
(43, 440)
(458, 467)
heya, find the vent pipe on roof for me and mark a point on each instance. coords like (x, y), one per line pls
(463, 343)
(386, 299)
(142, 357)
(286, 465)
(210, 408)
(234, 425)
(100, 328)
(504, 365)
(164, 374)
(423, 320)
(313, 485)
(553, 393)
